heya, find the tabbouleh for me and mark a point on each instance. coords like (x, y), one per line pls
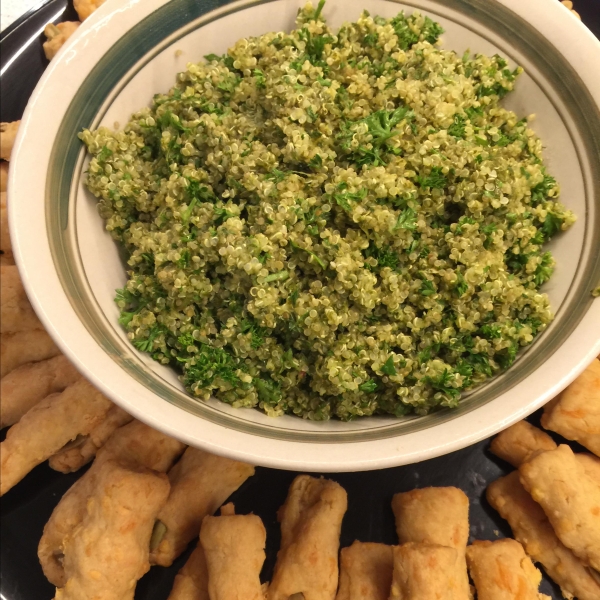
(332, 224)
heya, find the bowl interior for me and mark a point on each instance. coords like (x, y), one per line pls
(101, 263)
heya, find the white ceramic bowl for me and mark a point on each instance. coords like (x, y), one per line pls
(127, 51)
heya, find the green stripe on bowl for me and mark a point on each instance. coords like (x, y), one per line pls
(176, 19)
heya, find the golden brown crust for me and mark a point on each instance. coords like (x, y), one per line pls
(435, 515)
(107, 552)
(234, 549)
(29, 384)
(502, 571)
(47, 427)
(311, 520)
(57, 35)
(71, 459)
(8, 133)
(133, 445)
(18, 349)
(365, 572)
(5, 245)
(427, 572)
(85, 8)
(16, 313)
(200, 483)
(520, 442)
(590, 464)
(557, 481)
(191, 583)
(533, 530)
(575, 413)
(523, 441)
(3, 176)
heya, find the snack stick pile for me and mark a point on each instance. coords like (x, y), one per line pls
(550, 503)
(52, 411)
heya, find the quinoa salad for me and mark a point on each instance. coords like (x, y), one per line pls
(332, 224)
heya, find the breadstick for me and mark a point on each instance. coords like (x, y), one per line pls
(200, 483)
(57, 35)
(502, 571)
(590, 464)
(234, 548)
(85, 8)
(532, 529)
(82, 451)
(570, 498)
(520, 442)
(47, 427)
(575, 413)
(435, 515)
(29, 384)
(108, 551)
(3, 176)
(8, 133)
(365, 572)
(523, 441)
(311, 520)
(18, 349)
(5, 245)
(191, 583)
(16, 314)
(134, 445)
(427, 572)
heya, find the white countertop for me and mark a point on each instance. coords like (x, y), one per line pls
(11, 10)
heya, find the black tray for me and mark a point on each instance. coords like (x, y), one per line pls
(26, 508)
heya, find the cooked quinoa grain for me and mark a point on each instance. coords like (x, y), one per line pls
(332, 224)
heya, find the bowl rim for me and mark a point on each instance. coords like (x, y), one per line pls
(48, 297)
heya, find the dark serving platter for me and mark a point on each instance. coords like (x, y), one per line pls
(26, 508)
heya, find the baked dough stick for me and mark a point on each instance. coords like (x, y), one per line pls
(365, 572)
(5, 245)
(80, 452)
(591, 465)
(3, 176)
(8, 133)
(108, 551)
(16, 314)
(435, 515)
(520, 442)
(85, 8)
(18, 349)
(27, 385)
(234, 548)
(191, 583)
(57, 35)
(502, 571)
(47, 427)
(200, 483)
(531, 528)
(133, 445)
(575, 413)
(311, 520)
(557, 481)
(427, 572)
